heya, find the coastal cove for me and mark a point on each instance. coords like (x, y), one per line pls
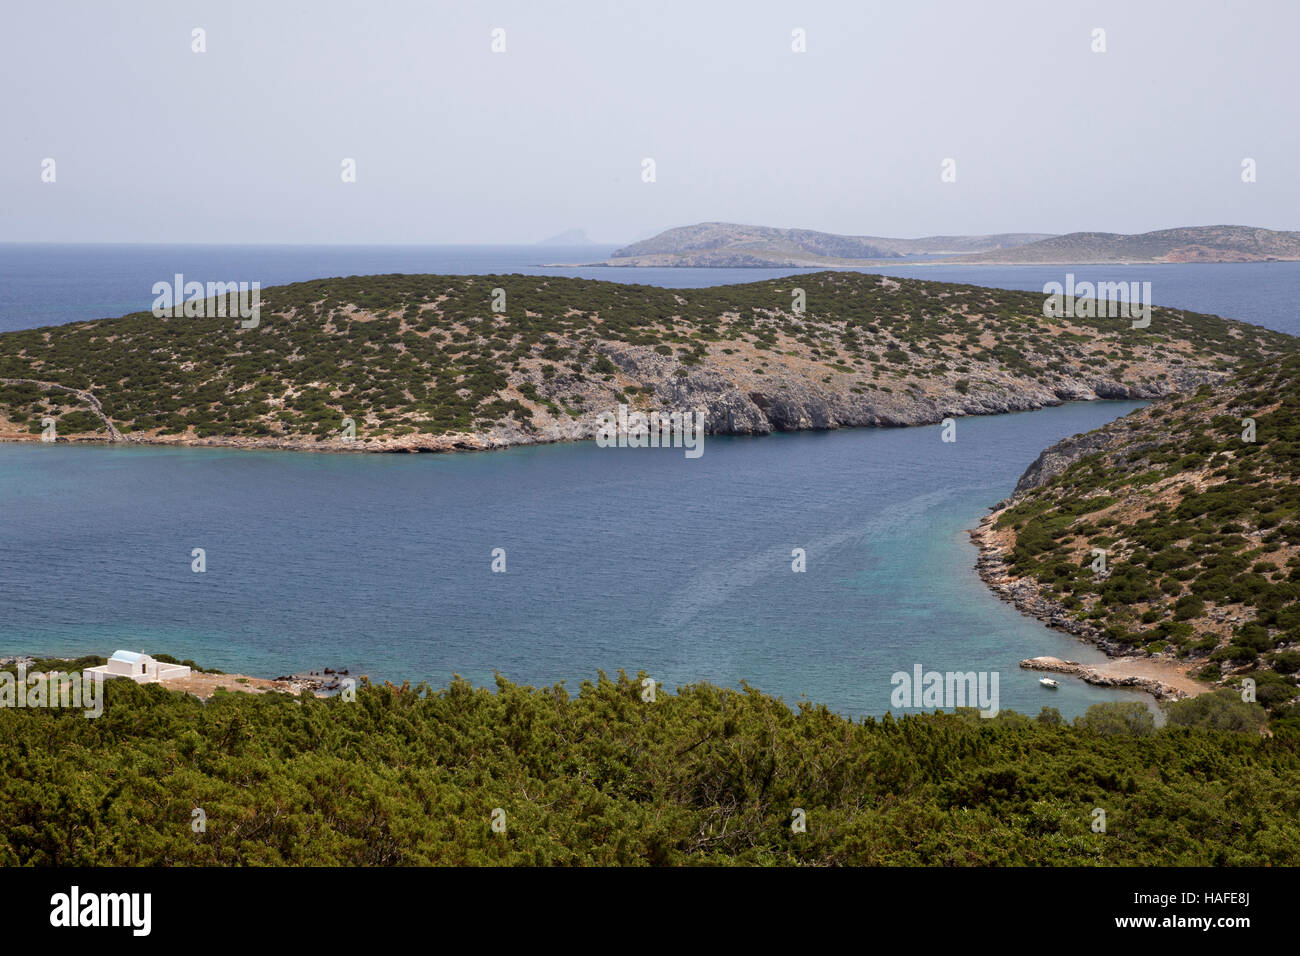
(637, 559)
(617, 558)
(481, 461)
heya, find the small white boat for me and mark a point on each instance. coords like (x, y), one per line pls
(1048, 682)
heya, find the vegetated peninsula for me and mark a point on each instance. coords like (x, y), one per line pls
(1194, 505)
(1188, 244)
(423, 363)
(730, 245)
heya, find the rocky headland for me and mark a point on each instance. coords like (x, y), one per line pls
(1169, 538)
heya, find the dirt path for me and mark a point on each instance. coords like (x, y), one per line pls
(89, 399)
(203, 686)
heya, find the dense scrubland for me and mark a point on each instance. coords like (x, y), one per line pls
(403, 775)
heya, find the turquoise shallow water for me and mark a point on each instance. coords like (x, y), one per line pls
(616, 558)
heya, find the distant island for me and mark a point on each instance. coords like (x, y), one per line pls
(424, 363)
(728, 245)
(1189, 244)
(570, 237)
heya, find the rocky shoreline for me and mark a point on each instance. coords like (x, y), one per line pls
(733, 405)
(1091, 675)
(1171, 683)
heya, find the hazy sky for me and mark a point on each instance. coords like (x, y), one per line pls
(454, 143)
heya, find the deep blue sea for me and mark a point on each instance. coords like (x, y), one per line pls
(43, 284)
(615, 558)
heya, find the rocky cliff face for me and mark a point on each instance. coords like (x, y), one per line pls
(1055, 459)
(738, 403)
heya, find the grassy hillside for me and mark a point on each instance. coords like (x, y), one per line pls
(1201, 530)
(422, 361)
(602, 777)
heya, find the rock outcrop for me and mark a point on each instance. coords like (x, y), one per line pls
(1090, 675)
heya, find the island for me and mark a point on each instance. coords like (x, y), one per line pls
(439, 363)
(733, 246)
